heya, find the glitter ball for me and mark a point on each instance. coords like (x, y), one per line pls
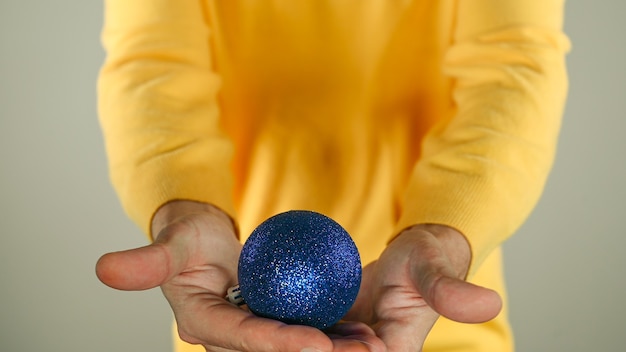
(300, 267)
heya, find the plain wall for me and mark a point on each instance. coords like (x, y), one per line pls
(58, 213)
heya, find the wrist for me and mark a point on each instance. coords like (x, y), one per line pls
(177, 209)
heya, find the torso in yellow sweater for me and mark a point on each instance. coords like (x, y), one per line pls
(380, 114)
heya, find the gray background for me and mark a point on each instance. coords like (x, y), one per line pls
(58, 213)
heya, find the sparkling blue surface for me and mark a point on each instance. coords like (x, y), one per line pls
(300, 267)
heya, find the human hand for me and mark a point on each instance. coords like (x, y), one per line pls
(194, 260)
(418, 277)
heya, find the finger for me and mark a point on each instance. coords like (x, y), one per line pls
(352, 345)
(150, 266)
(436, 278)
(136, 269)
(219, 323)
(354, 336)
(404, 318)
(406, 335)
(463, 301)
(362, 310)
(435, 270)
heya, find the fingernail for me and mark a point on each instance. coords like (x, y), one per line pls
(310, 349)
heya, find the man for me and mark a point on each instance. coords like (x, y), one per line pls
(425, 128)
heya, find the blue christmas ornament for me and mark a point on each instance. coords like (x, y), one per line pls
(300, 267)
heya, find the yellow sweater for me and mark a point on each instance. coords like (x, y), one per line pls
(380, 114)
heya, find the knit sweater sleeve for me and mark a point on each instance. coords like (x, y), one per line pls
(158, 107)
(482, 170)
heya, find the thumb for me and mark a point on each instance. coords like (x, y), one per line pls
(436, 272)
(136, 269)
(462, 301)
